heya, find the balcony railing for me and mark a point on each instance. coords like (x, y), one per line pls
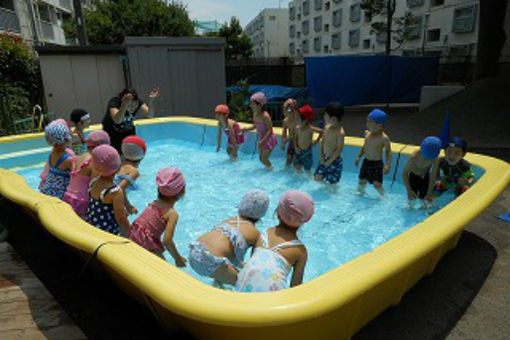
(9, 20)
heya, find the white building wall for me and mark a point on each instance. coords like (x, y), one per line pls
(433, 17)
(268, 32)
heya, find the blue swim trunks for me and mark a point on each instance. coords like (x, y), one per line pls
(203, 262)
(332, 173)
(304, 158)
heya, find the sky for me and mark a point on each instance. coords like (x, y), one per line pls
(222, 10)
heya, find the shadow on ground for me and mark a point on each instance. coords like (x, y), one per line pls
(428, 311)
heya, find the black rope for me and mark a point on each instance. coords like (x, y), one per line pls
(396, 166)
(94, 255)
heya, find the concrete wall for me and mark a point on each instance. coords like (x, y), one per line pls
(432, 94)
(189, 71)
(85, 81)
(269, 33)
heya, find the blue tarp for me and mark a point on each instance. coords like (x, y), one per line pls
(358, 80)
(276, 92)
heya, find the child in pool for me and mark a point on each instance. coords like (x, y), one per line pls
(376, 141)
(457, 174)
(416, 174)
(60, 163)
(77, 194)
(133, 152)
(160, 217)
(106, 209)
(288, 129)
(231, 128)
(81, 120)
(303, 139)
(330, 159)
(279, 249)
(217, 253)
(264, 126)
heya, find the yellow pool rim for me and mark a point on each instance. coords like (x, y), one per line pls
(310, 303)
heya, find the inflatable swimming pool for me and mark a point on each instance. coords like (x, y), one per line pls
(332, 306)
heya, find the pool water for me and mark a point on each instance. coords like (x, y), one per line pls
(344, 226)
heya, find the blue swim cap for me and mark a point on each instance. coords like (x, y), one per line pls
(379, 116)
(458, 142)
(430, 147)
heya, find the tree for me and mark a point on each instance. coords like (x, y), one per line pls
(239, 45)
(491, 38)
(111, 20)
(402, 27)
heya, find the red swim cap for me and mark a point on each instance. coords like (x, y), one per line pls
(222, 109)
(307, 112)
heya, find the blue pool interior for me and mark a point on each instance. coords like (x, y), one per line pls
(345, 225)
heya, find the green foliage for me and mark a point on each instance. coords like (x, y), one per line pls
(239, 45)
(14, 105)
(112, 20)
(20, 81)
(239, 103)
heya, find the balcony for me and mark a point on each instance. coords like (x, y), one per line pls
(9, 20)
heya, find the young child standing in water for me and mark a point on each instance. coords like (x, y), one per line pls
(59, 162)
(289, 129)
(330, 159)
(264, 126)
(303, 139)
(160, 217)
(77, 194)
(231, 128)
(106, 209)
(373, 168)
(81, 121)
(278, 249)
(220, 252)
(133, 152)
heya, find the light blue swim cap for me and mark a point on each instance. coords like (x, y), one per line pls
(254, 204)
(378, 116)
(430, 147)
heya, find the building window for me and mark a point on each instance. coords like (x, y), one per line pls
(337, 17)
(306, 8)
(337, 1)
(306, 27)
(7, 4)
(464, 19)
(327, 5)
(299, 16)
(317, 24)
(366, 43)
(292, 48)
(336, 41)
(434, 3)
(354, 38)
(305, 46)
(298, 35)
(355, 13)
(434, 35)
(326, 27)
(272, 17)
(317, 5)
(326, 49)
(317, 43)
(415, 30)
(414, 3)
(44, 12)
(292, 31)
(292, 13)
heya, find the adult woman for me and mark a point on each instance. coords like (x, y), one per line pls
(121, 113)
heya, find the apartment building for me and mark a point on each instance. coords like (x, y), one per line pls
(37, 22)
(269, 33)
(332, 27)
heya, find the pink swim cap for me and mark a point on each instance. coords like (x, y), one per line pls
(61, 121)
(170, 181)
(97, 137)
(259, 97)
(106, 160)
(295, 208)
(133, 148)
(222, 109)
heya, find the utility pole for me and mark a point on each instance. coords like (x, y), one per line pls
(80, 23)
